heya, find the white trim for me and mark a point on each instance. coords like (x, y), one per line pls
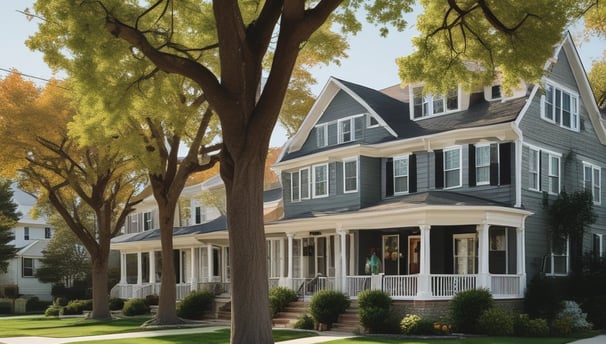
(551, 174)
(475, 163)
(292, 187)
(566, 254)
(397, 158)
(308, 183)
(537, 167)
(369, 118)
(322, 131)
(429, 99)
(345, 161)
(574, 106)
(593, 168)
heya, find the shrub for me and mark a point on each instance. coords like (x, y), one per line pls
(195, 305)
(76, 307)
(305, 322)
(5, 308)
(409, 322)
(52, 311)
(543, 296)
(279, 298)
(374, 310)
(326, 306)
(11, 291)
(496, 322)
(61, 302)
(467, 306)
(116, 304)
(573, 311)
(424, 327)
(135, 307)
(562, 326)
(152, 300)
(594, 306)
(523, 326)
(35, 305)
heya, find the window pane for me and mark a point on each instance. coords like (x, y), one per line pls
(438, 105)
(482, 164)
(549, 103)
(452, 100)
(346, 131)
(451, 159)
(351, 178)
(304, 183)
(452, 178)
(321, 180)
(295, 196)
(566, 120)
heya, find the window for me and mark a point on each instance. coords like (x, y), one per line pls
(400, 175)
(350, 175)
(452, 168)
(47, 233)
(346, 130)
(28, 267)
(556, 263)
(295, 187)
(554, 174)
(26, 233)
(465, 254)
(482, 164)
(200, 214)
(322, 135)
(495, 92)
(429, 105)
(561, 107)
(320, 180)
(533, 169)
(371, 122)
(304, 175)
(592, 181)
(598, 245)
(148, 221)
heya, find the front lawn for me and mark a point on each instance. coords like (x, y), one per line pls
(66, 327)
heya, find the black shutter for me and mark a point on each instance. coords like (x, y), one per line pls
(389, 177)
(412, 173)
(472, 165)
(439, 173)
(505, 155)
(494, 164)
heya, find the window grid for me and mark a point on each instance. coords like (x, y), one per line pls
(592, 181)
(295, 194)
(554, 174)
(320, 181)
(304, 184)
(561, 107)
(322, 135)
(28, 267)
(430, 105)
(533, 169)
(47, 233)
(26, 233)
(350, 176)
(452, 168)
(400, 175)
(482, 164)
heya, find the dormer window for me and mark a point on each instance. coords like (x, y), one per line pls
(560, 106)
(322, 135)
(427, 105)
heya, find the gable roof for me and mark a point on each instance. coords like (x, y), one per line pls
(218, 224)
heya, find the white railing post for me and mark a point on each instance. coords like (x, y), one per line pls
(343, 236)
(193, 270)
(152, 267)
(209, 262)
(122, 268)
(424, 278)
(483, 244)
(139, 269)
(521, 258)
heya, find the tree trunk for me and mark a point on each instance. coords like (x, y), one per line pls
(100, 292)
(244, 196)
(167, 305)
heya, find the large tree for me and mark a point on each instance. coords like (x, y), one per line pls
(90, 187)
(8, 218)
(244, 75)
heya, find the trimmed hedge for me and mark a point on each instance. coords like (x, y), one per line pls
(326, 306)
(466, 307)
(279, 298)
(374, 310)
(135, 307)
(496, 322)
(195, 305)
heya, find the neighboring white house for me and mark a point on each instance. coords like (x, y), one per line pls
(31, 239)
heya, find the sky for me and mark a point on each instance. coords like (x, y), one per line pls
(371, 60)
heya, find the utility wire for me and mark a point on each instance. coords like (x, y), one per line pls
(30, 76)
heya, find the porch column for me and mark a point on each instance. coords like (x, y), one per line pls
(122, 268)
(483, 244)
(343, 236)
(193, 270)
(209, 255)
(521, 258)
(290, 237)
(352, 255)
(152, 267)
(139, 269)
(424, 277)
(282, 258)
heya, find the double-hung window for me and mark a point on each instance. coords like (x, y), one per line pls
(350, 175)
(200, 214)
(561, 107)
(28, 268)
(322, 135)
(400, 175)
(452, 167)
(482, 164)
(320, 180)
(295, 187)
(533, 169)
(26, 233)
(304, 175)
(598, 245)
(148, 221)
(554, 174)
(425, 105)
(346, 130)
(592, 181)
(47, 233)
(557, 262)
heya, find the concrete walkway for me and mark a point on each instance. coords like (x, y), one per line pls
(324, 337)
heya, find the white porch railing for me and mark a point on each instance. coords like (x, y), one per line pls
(503, 286)
(356, 284)
(215, 287)
(448, 285)
(274, 282)
(403, 286)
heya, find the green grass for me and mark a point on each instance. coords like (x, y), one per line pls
(67, 327)
(216, 337)
(470, 340)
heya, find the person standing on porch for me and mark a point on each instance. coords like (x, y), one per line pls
(375, 263)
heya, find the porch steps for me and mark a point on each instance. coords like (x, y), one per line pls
(224, 311)
(349, 321)
(288, 317)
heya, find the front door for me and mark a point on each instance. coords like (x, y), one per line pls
(414, 254)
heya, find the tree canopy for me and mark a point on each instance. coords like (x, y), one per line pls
(8, 218)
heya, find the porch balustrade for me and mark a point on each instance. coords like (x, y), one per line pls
(503, 286)
(449, 285)
(356, 284)
(401, 286)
